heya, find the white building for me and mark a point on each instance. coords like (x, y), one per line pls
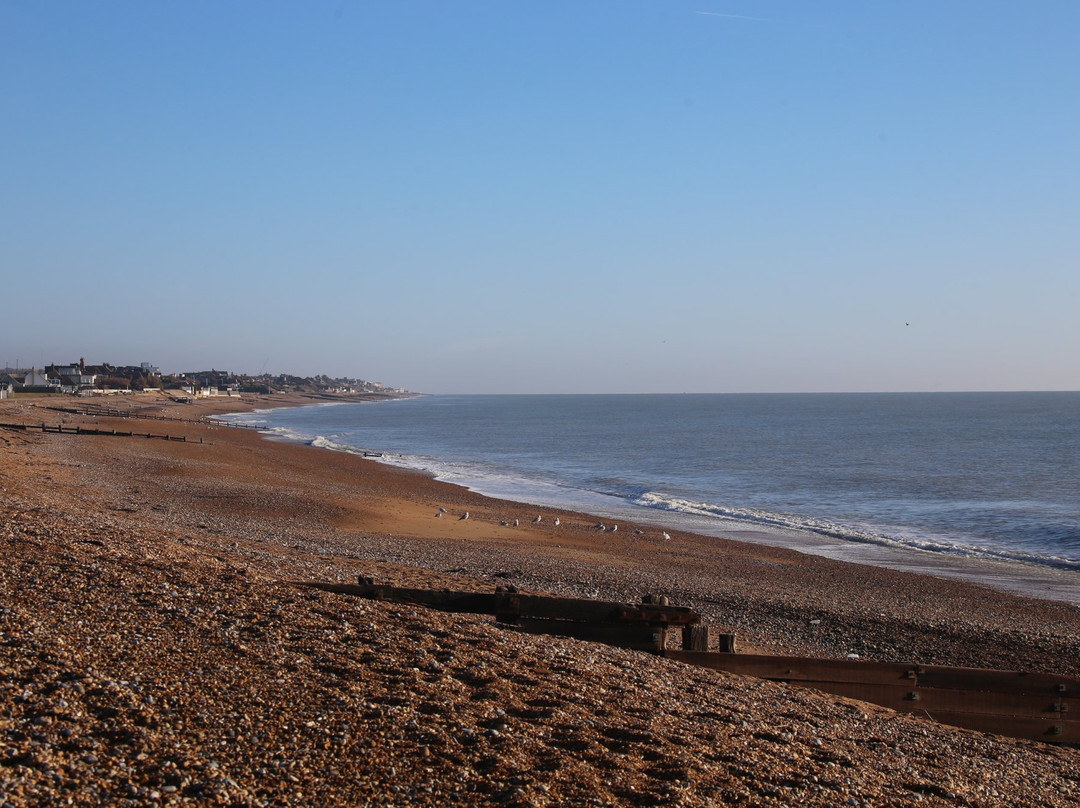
(36, 379)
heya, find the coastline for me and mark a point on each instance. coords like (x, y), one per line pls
(1027, 578)
(137, 563)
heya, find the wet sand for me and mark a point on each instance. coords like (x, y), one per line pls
(157, 649)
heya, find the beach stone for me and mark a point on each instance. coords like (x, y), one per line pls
(579, 724)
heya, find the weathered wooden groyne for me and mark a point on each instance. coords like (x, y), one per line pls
(1034, 706)
(60, 429)
(97, 411)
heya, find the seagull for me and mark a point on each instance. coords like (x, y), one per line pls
(517, 523)
(638, 531)
(536, 521)
(599, 526)
(439, 513)
(463, 516)
(614, 528)
(442, 510)
(666, 536)
(503, 522)
(556, 521)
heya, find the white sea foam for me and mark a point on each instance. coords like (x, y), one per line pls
(913, 501)
(287, 434)
(850, 533)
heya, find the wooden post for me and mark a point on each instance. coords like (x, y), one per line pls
(695, 637)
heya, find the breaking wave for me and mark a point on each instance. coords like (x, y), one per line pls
(848, 532)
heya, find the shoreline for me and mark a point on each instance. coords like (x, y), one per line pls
(397, 508)
(1015, 576)
(155, 648)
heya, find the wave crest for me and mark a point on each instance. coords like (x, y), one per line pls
(852, 533)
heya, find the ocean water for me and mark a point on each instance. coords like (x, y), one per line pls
(929, 481)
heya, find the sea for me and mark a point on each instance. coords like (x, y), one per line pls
(979, 486)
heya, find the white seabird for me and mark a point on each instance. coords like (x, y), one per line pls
(538, 519)
(517, 522)
(463, 516)
(556, 521)
(614, 528)
(666, 536)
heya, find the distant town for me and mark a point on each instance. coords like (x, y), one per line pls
(82, 379)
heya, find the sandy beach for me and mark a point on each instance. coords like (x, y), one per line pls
(157, 647)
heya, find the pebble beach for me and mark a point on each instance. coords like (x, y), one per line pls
(158, 645)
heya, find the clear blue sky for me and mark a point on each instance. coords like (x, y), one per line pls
(534, 196)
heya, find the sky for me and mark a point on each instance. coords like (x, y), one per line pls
(557, 196)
